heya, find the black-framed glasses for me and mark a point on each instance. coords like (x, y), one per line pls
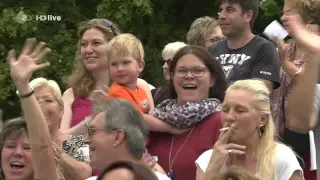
(105, 23)
(196, 71)
(216, 39)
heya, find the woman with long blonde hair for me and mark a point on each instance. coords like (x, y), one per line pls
(247, 139)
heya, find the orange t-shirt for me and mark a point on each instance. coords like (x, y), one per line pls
(138, 97)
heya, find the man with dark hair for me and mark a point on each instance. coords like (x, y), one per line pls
(244, 55)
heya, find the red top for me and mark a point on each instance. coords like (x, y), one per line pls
(81, 107)
(202, 138)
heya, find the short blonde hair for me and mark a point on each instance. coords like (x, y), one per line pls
(171, 49)
(201, 29)
(125, 45)
(43, 82)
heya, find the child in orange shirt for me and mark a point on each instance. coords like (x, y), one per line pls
(125, 55)
(126, 62)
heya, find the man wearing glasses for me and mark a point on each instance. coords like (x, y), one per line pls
(117, 132)
(244, 55)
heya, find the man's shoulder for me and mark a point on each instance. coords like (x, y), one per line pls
(259, 41)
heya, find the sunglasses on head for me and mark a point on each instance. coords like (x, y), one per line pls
(105, 23)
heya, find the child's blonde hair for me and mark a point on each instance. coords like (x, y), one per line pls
(125, 45)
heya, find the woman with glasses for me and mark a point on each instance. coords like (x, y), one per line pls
(91, 77)
(204, 31)
(162, 93)
(197, 85)
(293, 58)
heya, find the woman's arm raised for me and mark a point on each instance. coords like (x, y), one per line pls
(21, 70)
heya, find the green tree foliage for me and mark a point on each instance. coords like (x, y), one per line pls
(154, 22)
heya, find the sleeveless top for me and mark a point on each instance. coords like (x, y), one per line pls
(81, 108)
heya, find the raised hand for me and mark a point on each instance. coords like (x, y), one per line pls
(282, 49)
(21, 69)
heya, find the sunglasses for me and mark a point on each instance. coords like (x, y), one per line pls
(105, 23)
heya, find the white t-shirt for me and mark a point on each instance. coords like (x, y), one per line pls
(160, 176)
(287, 162)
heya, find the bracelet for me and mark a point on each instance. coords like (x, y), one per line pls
(26, 95)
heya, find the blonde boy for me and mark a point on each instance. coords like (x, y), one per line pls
(126, 62)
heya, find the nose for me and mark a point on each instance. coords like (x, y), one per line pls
(88, 48)
(229, 116)
(283, 18)
(189, 75)
(87, 139)
(222, 15)
(120, 67)
(165, 65)
(18, 152)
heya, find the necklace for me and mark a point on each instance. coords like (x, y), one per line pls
(170, 173)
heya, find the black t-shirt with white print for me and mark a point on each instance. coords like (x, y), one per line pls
(257, 59)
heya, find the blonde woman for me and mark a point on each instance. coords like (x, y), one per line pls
(247, 139)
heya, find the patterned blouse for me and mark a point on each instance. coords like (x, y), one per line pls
(76, 149)
(279, 97)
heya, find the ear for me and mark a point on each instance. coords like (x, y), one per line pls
(263, 120)
(212, 81)
(119, 137)
(249, 16)
(141, 65)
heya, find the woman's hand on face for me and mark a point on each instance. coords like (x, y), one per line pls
(21, 69)
(222, 150)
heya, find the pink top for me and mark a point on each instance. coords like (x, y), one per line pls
(182, 161)
(81, 108)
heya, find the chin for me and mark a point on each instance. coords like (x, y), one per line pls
(91, 67)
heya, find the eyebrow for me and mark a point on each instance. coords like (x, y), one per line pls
(85, 40)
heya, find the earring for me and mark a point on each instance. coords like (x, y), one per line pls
(261, 130)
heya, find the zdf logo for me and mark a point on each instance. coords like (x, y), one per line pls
(21, 17)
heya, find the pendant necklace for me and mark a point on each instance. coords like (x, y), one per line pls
(170, 173)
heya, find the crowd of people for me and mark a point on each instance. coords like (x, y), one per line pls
(234, 105)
